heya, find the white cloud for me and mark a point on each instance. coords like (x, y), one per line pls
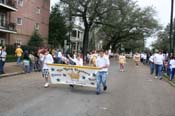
(161, 6)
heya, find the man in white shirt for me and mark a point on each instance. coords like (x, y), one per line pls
(158, 61)
(3, 55)
(144, 58)
(103, 63)
(141, 57)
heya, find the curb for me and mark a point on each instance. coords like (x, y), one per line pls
(167, 80)
(11, 74)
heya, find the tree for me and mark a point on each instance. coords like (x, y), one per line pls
(35, 40)
(162, 42)
(57, 27)
(163, 39)
(129, 22)
(91, 11)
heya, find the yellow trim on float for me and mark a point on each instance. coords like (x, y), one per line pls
(74, 66)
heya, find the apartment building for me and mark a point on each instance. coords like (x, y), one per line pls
(77, 34)
(20, 18)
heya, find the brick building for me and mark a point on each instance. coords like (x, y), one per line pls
(20, 18)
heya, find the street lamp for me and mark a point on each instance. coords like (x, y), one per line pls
(171, 24)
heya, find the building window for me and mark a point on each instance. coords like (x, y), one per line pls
(3, 1)
(78, 34)
(74, 33)
(2, 19)
(19, 21)
(2, 42)
(18, 42)
(37, 26)
(20, 2)
(38, 10)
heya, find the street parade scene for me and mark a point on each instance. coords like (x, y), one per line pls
(87, 58)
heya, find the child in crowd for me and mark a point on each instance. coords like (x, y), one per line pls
(26, 62)
(46, 58)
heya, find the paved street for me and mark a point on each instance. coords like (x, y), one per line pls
(132, 93)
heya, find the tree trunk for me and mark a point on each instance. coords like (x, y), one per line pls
(85, 41)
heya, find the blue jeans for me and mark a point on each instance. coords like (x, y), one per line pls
(1, 67)
(59, 60)
(101, 78)
(19, 60)
(27, 68)
(32, 65)
(151, 67)
(172, 73)
(158, 69)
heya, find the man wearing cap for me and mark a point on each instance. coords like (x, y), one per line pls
(103, 63)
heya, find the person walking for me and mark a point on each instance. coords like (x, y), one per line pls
(78, 60)
(46, 58)
(136, 58)
(32, 61)
(3, 55)
(122, 61)
(59, 56)
(172, 68)
(103, 63)
(144, 58)
(151, 64)
(18, 53)
(26, 62)
(158, 61)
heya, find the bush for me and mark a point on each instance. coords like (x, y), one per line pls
(11, 58)
(11, 49)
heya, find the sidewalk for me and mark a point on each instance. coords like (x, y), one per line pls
(12, 69)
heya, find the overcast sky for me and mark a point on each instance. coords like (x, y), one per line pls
(162, 8)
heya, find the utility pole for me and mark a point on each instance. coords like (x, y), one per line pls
(70, 28)
(171, 24)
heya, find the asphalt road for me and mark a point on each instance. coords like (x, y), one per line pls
(130, 93)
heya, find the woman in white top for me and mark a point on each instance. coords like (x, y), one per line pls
(78, 60)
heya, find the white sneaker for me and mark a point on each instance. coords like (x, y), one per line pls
(46, 85)
(156, 77)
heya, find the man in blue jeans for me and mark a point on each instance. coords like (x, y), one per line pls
(103, 63)
(158, 61)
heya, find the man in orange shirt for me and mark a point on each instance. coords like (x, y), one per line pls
(18, 53)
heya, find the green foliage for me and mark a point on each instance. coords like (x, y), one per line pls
(90, 11)
(36, 40)
(57, 27)
(120, 20)
(162, 42)
(128, 23)
(11, 58)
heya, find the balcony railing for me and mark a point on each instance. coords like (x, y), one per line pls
(9, 28)
(8, 4)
